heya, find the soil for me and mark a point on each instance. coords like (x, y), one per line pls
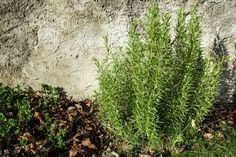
(221, 114)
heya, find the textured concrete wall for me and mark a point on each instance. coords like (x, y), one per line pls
(54, 41)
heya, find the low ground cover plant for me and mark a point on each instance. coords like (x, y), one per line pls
(47, 123)
(19, 111)
(154, 94)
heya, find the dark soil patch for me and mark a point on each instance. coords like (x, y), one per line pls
(221, 114)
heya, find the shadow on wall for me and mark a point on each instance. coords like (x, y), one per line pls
(227, 93)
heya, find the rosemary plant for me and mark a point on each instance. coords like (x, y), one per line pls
(157, 91)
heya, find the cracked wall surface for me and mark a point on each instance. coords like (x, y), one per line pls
(54, 41)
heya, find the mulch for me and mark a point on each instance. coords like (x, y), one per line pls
(222, 114)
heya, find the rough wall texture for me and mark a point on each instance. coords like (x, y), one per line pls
(54, 41)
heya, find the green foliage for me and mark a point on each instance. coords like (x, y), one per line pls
(50, 97)
(158, 91)
(24, 110)
(17, 106)
(222, 144)
(55, 133)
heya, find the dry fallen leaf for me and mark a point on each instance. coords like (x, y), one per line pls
(10, 114)
(89, 128)
(87, 143)
(28, 137)
(88, 102)
(144, 155)
(72, 111)
(39, 117)
(115, 154)
(6, 151)
(195, 145)
(179, 150)
(223, 122)
(75, 137)
(76, 149)
(62, 122)
(91, 110)
(73, 152)
(78, 106)
(40, 143)
(71, 118)
(208, 136)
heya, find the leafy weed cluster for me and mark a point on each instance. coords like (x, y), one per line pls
(18, 114)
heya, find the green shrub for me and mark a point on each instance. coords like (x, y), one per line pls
(157, 92)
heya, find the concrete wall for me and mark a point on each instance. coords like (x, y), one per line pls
(54, 41)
